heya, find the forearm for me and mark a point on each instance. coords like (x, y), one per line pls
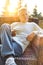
(31, 36)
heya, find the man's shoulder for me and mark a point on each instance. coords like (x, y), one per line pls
(30, 23)
(14, 23)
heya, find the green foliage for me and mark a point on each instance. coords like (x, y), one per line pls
(36, 14)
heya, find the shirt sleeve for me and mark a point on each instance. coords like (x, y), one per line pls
(37, 27)
(13, 25)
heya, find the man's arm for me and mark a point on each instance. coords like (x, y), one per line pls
(30, 36)
(13, 28)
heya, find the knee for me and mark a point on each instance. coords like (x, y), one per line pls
(5, 26)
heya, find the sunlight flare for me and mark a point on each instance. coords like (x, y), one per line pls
(14, 4)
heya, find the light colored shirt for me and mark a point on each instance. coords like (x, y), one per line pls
(22, 31)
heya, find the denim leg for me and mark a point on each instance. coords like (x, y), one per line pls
(17, 49)
(6, 40)
(0, 40)
(0, 35)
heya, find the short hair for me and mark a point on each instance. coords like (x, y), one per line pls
(22, 9)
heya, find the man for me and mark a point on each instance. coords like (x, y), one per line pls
(15, 37)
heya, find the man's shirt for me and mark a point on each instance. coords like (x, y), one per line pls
(22, 31)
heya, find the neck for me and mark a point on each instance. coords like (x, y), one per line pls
(23, 21)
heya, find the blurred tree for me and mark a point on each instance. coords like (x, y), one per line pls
(5, 12)
(40, 15)
(18, 7)
(36, 14)
(19, 4)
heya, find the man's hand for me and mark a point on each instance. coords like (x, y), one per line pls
(13, 33)
(31, 36)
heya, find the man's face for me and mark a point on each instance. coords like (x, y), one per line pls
(23, 16)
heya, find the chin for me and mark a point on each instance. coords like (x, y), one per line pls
(24, 21)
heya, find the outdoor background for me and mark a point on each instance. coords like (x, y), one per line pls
(9, 11)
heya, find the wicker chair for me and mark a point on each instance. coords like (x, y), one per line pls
(28, 57)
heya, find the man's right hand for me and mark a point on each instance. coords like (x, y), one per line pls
(13, 33)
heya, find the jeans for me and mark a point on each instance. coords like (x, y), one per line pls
(8, 46)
